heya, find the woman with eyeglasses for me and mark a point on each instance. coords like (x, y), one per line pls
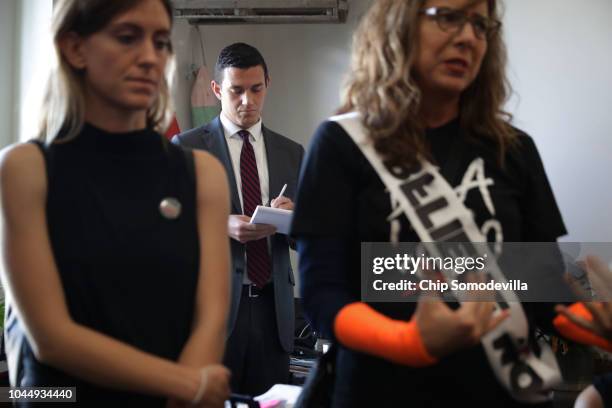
(423, 109)
(115, 243)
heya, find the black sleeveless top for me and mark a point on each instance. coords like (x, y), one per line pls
(127, 271)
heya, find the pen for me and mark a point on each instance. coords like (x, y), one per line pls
(282, 191)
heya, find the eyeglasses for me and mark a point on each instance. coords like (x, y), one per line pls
(452, 20)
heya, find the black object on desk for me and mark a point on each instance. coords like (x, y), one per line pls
(243, 399)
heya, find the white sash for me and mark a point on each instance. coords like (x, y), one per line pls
(528, 378)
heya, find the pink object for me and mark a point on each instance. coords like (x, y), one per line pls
(271, 404)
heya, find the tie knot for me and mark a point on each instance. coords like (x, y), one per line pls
(244, 134)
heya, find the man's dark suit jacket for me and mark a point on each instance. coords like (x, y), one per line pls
(284, 160)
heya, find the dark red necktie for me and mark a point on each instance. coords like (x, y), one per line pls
(258, 259)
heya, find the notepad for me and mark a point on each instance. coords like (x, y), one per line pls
(278, 217)
(284, 394)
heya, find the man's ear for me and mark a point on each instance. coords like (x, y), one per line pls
(268, 81)
(216, 88)
(71, 47)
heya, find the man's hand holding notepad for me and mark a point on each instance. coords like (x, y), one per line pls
(278, 217)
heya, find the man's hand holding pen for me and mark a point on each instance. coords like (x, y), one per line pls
(281, 201)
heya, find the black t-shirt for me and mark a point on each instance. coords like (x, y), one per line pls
(338, 184)
(342, 202)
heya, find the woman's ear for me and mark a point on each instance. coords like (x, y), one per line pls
(71, 47)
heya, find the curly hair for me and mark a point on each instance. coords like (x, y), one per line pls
(381, 87)
(64, 101)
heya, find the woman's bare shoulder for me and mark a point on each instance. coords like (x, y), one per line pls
(22, 169)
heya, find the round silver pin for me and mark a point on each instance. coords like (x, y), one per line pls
(170, 208)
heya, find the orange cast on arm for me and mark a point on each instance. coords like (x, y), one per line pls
(576, 333)
(361, 328)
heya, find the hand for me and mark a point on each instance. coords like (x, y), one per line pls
(601, 324)
(600, 278)
(282, 202)
(444, 330)
(217, 388)
(240, 229)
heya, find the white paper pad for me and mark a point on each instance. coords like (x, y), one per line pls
(280, 218)
(287, 393)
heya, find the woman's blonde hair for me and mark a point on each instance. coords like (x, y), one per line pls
(381, 86)
(64, 99)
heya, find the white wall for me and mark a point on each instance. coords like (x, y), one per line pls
(8, 109)
(24, 61)
(33, 52)
(561, 70)
(561, 67)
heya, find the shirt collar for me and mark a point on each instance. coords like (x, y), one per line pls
(231, 129)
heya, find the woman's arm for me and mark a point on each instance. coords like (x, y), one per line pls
(32, 280)
(206, 343)
(434, 331)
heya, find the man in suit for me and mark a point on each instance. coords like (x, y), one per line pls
(259, 163)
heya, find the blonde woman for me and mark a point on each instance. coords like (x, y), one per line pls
(116, 260)
(425, 93)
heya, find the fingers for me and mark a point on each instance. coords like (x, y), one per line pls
(241, 229)
(601, 313)
(286, 206)
(475, 316)
(597, 265)
(282, 203)
(478, 319)
(591, 306)
(234, 220)
(258, 228)
(602, 317)
(279, 201)
(496, 320)
(430, 300)
(253, 232)
(600, 277)
(478, 295)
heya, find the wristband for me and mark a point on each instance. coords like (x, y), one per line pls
(201, 388)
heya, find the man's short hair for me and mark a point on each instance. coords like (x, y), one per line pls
(239, 55)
